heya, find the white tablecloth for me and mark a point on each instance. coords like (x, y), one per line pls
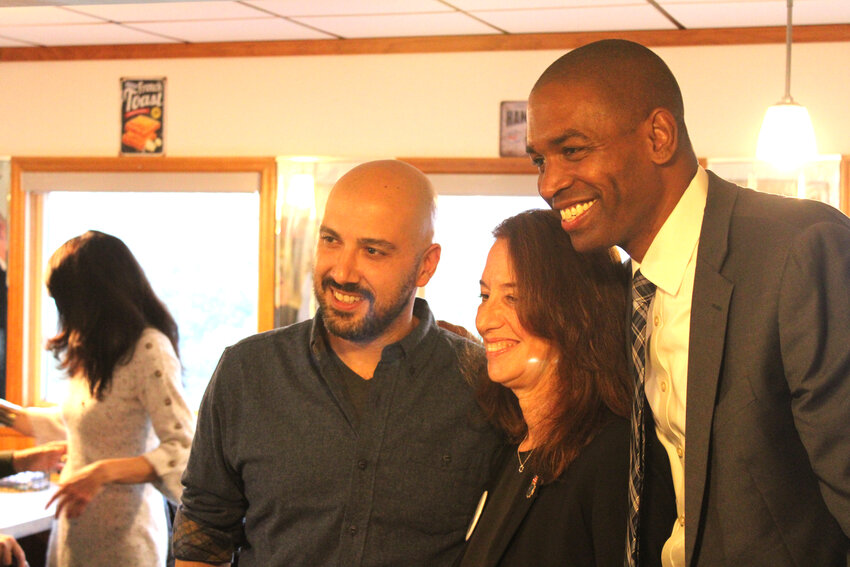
(23, 513)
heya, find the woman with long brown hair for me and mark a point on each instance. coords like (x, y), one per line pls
(557, 383)
(128, 427)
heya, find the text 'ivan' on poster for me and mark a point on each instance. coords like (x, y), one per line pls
(142, 115)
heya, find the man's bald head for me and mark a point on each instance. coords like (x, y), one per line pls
(375, 248)
(396, 182)
(626, 75)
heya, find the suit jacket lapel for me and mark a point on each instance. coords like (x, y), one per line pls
(709, 312)
(518, 512)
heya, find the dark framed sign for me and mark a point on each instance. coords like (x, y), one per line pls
(142, 116)
(512, 128)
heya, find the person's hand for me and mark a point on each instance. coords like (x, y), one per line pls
(10, 549)
(75, 493)
(47, 457)
(14, 416)
(458, 330)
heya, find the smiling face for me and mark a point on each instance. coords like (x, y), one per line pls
(373, 251)
(516, 358)
(594, 167)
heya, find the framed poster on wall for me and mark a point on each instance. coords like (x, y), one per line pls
(512, 125)
(142, 116)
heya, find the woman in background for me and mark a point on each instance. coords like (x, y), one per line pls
(557, 383)
(128, 427)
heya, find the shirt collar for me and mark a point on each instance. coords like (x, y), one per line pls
(406, 347)
(667, 258)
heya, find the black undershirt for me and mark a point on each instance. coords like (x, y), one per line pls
(355, 386)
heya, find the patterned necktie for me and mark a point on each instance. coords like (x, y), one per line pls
(642, 292)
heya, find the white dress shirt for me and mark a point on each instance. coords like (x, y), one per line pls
(670, 264)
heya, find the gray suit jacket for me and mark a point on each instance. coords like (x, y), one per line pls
(767, 472)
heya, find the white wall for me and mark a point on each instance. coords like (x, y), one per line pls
(391, 105)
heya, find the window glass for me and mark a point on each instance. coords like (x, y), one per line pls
(199, 251)
(819, 180)
(464, 228)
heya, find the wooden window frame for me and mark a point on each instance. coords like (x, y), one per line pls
(25, 261)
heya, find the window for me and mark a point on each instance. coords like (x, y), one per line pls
(206, 222)
(819, 180)
(197, 249)
(464, 228)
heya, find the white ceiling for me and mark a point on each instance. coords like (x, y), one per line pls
(34, 23)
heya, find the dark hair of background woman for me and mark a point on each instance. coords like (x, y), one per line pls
(577, 302)
(104, 302)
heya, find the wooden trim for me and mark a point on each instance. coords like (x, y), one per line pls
(141, 164)
(34, 266)
(25, 224)
(844, 184)
(9, 439)
(17, 276)
(268, 242)
(487, 166)
(429, 44)
(509, 166)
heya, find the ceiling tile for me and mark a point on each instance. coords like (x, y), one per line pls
(171, 11)
(469, 5)
(42, 15)
(90, 34)
(348, 7)
(6, 42)
(663, 2)
(399, 25)
(812, 12)
(265, 29)
(749, 13)
(717, 14)
(641, 17)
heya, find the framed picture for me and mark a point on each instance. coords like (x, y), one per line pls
(142, 116)
(512, 128)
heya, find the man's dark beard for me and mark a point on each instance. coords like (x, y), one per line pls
(370, 325)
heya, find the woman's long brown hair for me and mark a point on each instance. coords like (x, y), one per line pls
(577, 302)
(104, 302)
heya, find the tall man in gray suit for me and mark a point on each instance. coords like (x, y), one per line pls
(748, 356)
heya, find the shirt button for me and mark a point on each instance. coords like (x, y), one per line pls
(663, 386)
(680, 451)
(682, 520)
(447, 460)
(352, 530)
(656, 320)
(361, 464)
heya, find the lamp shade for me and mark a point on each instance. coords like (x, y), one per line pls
(787, 138)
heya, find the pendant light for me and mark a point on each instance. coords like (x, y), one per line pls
(787, 138)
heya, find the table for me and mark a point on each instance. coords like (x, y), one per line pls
(23, 513)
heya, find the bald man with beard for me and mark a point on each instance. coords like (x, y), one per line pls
(747, 379)
(351, 439)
